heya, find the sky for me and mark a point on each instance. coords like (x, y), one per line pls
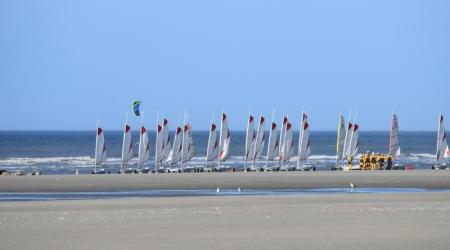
(65, 63)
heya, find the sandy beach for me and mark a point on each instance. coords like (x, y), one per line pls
(338, 221)
(430, 179)
(314, 221)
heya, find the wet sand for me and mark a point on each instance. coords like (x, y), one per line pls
(431, 179)
(329, 221)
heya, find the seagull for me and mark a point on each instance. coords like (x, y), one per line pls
(239, 189)
(218, 190)
(352, 185)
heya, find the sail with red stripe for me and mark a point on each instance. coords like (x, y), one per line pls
(259, 142)
(213, 144)
(144, 147)
(127, 144)
(224, 139)
(442, 150)
(250, 138)
(304, 148)
(100, 146)
(273, 144)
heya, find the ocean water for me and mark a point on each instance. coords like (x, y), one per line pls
(61, 152)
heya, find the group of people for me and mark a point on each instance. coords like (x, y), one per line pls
(373, 161)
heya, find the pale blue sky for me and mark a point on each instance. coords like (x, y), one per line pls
(63, 63)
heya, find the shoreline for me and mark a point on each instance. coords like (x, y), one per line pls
(426, 179)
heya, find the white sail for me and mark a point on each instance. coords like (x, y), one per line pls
(340, 138)
(259, 142)
(354, 146)
(288, 145)
(191, 149)
(224, 141)
(213, 144)
(304, 147)
(394, 144)
(289, 142)
(250, 138)
(127, 144)
(442, 146)
(281, 154)
(188, 143)
(347, 141)
(100, 146)
(144, 147)
(166, 140)
(175, 152)
(159, 143)
(272, 147)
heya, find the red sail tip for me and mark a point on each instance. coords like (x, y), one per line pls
(224, 116)
(285, 120)
(213, 127)
(165, 121)
(143, 130)
(274, 125)
(289, 126)
(305, 126)
(127, 128)
(159, 128)
(261, 120)
(178, 130)
(250, 119)
(99, 131)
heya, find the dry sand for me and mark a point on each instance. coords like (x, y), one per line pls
(432, 179)
(329, 221)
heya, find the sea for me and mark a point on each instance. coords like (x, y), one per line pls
(64, 152)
